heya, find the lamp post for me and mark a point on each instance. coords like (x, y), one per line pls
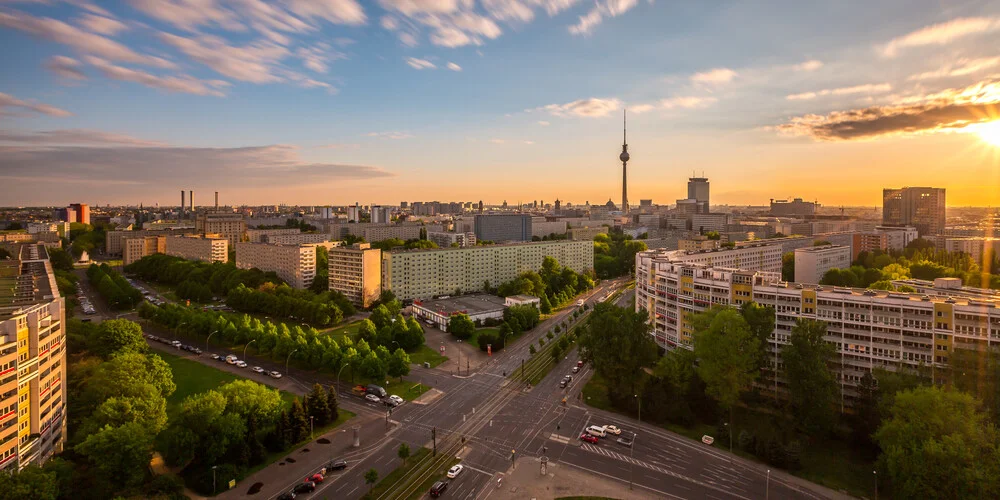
(210, 338)
(875, 474)
(287, 359)
(245, 349)
(310, 426)
(337, 387)
(397, 344)
(631, 466)
(213, 478)
(767, 486)
(730, 432)
(178, 327)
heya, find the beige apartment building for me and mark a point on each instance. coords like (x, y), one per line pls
(259, 235)
(752, 257)
(389, 231)
(586, 233)
(137, 248)
(296, 264)
(697, 243)
(869, 328)
(295, 239)
(356, 272)
(811, 263)
(114, 242)
(209, 248)
(231, 226)
(426, 273)
(445, 239)
(32, 360)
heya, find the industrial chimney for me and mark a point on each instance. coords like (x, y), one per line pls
(182, 203)
(191, 201)
(216, 201)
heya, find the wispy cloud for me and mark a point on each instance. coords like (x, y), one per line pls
(183, 83)
(75, 137)
(543, 123)
(868, 88)
(687, 102)
(66, 67)
(593, 107)
(454, 67)
(8, 101)
(318, 58)
(811, 65)
(252, 63)
(639, 109)
(416, 63)
(452, 23)
(949, 110)
(603, 9)
(715, 76)
(100, 24)
(390, 135)
(942, 34)
(962, 67)
(338, 146)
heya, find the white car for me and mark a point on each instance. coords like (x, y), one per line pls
(610, 429)
(396, 399)
(373, 398)
(274, 374)
(241, 364)
(257, 369)
(455, 471)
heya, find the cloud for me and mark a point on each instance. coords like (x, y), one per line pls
(250, 63)
(867, 88)
(497, 141)
(605, 8)
(81, 41)
(641, 108)
(338, 146)
(811, 65)
(101, 25)
(347, 12)
(189, 14)
(528, 142)
(454, 67)
(543, 123)
(452, 23)
(419, 63)
(589, 108)
(950, 110)
(73, 137)
(509, 10)
(942, 34)
(962, 67)
(715, 76)
(318, 57)
(66, 67)
(184, 84)
(390, 135)
(690, 102)
(9, 101)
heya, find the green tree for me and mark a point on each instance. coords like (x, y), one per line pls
(727, 354)
(788, 266)
(403, 452)
(936, 444)
(380, 316)
(117, 336)
(616, 342)
(461, 326)
(545, 305)
(317, 405)
(245, 397)
(299, 421)
(120, 455)
(371, 477)
(811, 385)
(760, 320)
(367, 330)
(399, 364)
(866, 418)
(30, 483)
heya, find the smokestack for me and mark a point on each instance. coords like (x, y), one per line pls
(216, 200)
(182, 202)
(191, 201)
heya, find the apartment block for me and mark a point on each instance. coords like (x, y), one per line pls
(586, 233)
(542, 228)
(869, 328)
(295, 239)
(296, 264)
(259, 235)
(230, 225)
(697, 243)
(388, 231)
(921, 207)
(356, 272)
(811, 263)
(503, 227)
(114, 241)
(869, 242)
(979, 249)
(422, 274)
(790, 243)
(445, 239)
(750, 257)
(898, 237)
(32, 360)
(209, 248)
(137, 248)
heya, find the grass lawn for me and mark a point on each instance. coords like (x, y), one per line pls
(192, 377)
(426, 354)
(350, 329)
(406, 389)
(385, 483)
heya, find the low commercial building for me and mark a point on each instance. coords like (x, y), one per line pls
(426, 273)
(137, 248)
(811, 263)
(209, 248)
(356, 272)
(446, 239)
(32, 360)
(438, 312)
(296, 264)
(523, 300)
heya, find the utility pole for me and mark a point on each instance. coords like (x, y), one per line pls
(434, 433)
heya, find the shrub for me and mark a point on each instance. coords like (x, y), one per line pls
(793, 455)
(531, 349)
(746, 441)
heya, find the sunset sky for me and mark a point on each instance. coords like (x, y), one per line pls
(339, 101)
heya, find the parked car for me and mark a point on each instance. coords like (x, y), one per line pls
(579, 363)
(611, 429)
(576, 369)
(359, 390)
(625, 441)
(396, 399)
(373, 398)
(588, 438)
(257, 369)
(438, 488)
(274, 374)
(241, 364)
(286, 496)
(596, 430)
(316, 478)
(455, 471)
(215, 357)
(337, 465)
(376, 390)
(306, 487)
(232, 359)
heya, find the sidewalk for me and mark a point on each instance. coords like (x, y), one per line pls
(560, 480)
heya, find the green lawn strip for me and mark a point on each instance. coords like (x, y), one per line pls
(350, 329)
(192, 377)
(386, 482)
(826, 462)
(441, 474)
(426, 354)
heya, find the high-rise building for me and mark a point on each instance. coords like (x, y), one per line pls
(82, 212)
(811, 263)
(356, 272)
(422, 274)
(698, 191)
(503, 227)
(136, 248)
(230, 225)
(920, 207)
(207, 248)
(296, 264)
(381, 215)
(354, 213)
(32, 360)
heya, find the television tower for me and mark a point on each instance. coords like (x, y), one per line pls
(624, 158)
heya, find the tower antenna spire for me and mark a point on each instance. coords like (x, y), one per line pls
(624, 157)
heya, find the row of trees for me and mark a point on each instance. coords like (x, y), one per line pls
(218, 276)
(115, 289)
(280, 301)
(309, 348)
(393, 243)
(553, 284)
(614, 254)
(387, 327)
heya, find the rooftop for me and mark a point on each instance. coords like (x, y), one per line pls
(515, 244)
(468, 304)
(25, 279)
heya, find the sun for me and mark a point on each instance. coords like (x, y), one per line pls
(990, 132)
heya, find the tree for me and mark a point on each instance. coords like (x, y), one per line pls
(403, 452)
(299, 421)
(461, 326)
(380, 316)
(545, 305)
(788, 266)
(936, 444)
(332, 404)
(371, 477)
(399, 364)
(255, 447)
(367, 330)
(31, 482)
(811, 385)
(617, 343)
(726, 352)
(120, 454)
(867, 418)
(245, 397)
(317, 405)
(117, 336)
(760, 319)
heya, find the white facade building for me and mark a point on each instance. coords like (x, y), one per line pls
(811, 263)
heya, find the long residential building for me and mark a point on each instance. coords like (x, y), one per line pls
(296, 264)
(811, 263)
(260, 235)
(755, 257)
(231, 226)
(208, 248)
(869, 329)
(356, 272)
(32, 360)
(137, 248)
(426, 273)
(114, 241)
(445, 239)
(295, 239)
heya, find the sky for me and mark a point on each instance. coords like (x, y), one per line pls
(316, 102)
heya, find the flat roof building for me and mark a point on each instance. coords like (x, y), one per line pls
(356, 272)
(503, 227)
(445, 239)
(921, 207)
(296, 264)
(811, 263)
(209, 248)
(137, 248)
(751, 257)
(478, 307)
(230, 225)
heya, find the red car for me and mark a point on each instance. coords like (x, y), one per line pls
(316, 478)
(588, 438)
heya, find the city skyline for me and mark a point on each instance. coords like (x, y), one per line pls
(371, 102)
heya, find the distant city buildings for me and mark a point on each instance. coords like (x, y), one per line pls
(356, 272)
(921, 207)
(446, 239)
(811, 263)
(230, 225)
(503, 227)
(296, 264)
(207, 248)
(698, 190)
(794, 208)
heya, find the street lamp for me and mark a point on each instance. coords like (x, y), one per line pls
(245, 349)
(397, 344)
(631, 449)
(875, 474)
(767, 486)
(178, 327)
(310, 426)
(213, 478)
(288, 359)
(337, 387)
(730, 432)
(210, 338)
